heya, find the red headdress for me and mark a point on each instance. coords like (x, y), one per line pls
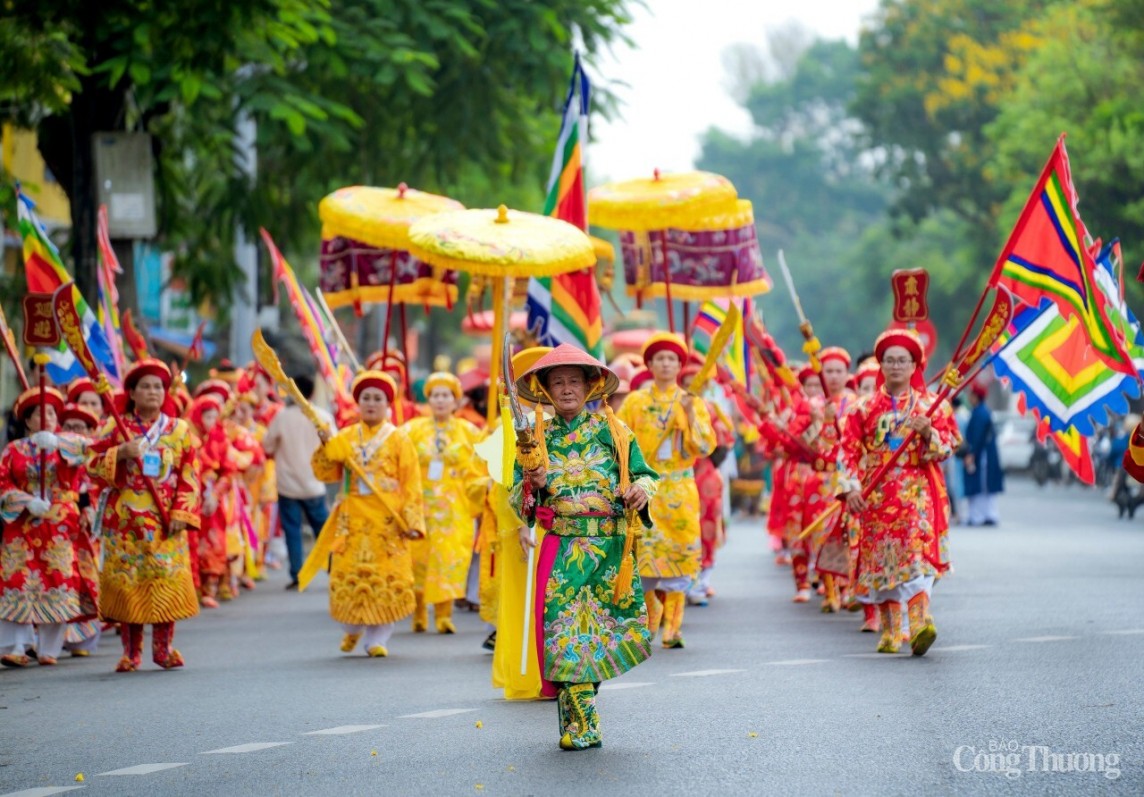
(215, 387)
(379, 379)
(834, 353)
(29, 400)
(147, 367)
(78, 387)
(909, 340)
(664, 341)
(74, 412)
(201, 405)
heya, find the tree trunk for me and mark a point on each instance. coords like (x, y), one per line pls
(65, 143)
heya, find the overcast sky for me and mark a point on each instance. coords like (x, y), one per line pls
(677, 83)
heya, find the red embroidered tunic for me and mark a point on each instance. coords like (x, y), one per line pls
(903, 533)
(39, 582)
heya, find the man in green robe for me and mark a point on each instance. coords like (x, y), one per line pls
(589, 494)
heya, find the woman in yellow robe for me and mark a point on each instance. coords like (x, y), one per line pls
(454, 483)
(371, 571)
(673, 430)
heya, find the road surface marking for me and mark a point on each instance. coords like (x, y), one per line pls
(142, 769)
(341, 729)
(796, 662)
(702, 673)
(252, 747)
(1045, 639)
(41, 791)
(1128, 632)
(625, 685)
(868, 655)
(954, 648)
(436, 713)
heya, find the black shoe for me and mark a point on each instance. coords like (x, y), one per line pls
(292, 586)
(989, 523)
(490, 642)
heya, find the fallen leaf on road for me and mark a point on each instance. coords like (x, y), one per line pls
(79, 778)
(752, 734)
(480, 724)
(373, 752)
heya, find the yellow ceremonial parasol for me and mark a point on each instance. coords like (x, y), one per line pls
(365, 243)
(645, 208)
(661, 202)
(503, 244)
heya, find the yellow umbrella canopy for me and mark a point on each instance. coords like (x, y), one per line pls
(503, 244)
(713, 257)
(661, 201)
(379, 217)
(365, 242)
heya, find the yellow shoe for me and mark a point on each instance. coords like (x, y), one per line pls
(923, 638)
(377, 652)
(445, 626)
(349, 642)
(890, 618)
(79, 654)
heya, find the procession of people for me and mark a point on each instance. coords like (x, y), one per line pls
(611, 521)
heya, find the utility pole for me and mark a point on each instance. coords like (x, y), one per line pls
(244, 302)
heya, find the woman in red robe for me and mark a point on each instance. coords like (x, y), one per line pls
(40, 477)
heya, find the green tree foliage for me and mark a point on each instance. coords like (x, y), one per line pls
(1086, 78)
(442, 94)
(953, 105)
(814, 193)
(934, 74)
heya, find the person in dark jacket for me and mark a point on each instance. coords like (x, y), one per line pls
(984, 479)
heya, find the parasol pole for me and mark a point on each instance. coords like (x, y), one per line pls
(687, 322)
(529, 583)
(389, 303)
(502, 288)
(404, 339)
(667, 285)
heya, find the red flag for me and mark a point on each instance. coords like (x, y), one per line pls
(1047, 257)
(134, 339)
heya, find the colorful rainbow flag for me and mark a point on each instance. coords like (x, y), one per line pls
(734, 358)
(1046, 257)
(1074, 450)
(1059, 379)
(1048, 359)
(566, 308)
(45, 272)
(308, 320)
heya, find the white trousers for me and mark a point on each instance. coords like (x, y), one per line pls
(671, 584)
(983, 507)
(903, 592)
(16, 637)
(372, 635)
(698, 588)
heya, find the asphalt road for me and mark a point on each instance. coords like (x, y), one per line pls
(1037, 661)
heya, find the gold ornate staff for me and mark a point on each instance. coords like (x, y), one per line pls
(268, 359)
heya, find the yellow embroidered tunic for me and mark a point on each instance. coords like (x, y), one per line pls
(453, 483)
(146, 575)
(371, 573)
(670, 444)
